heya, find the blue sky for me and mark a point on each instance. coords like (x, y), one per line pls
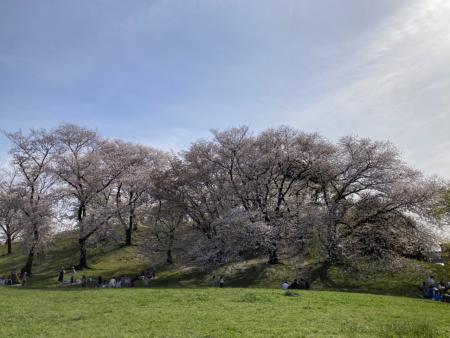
(164, 73)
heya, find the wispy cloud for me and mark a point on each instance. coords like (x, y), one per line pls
(395, 86)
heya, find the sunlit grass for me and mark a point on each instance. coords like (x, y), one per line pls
(214, 312)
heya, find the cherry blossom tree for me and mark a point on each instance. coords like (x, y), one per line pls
(132, 188)
(365, 182)
(265, 175)
(31, 156)
(87, 166)
(10, 214)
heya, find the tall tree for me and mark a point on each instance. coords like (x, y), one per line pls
(267, 174)
(32, 155)
(366, 181)
(441, 210)
(87, 166)
(132, 188)
(164, 220)
(10, 213)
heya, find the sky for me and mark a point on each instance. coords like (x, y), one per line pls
(164, 73)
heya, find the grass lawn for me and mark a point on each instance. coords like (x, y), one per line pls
(365, 276)
(208, 312)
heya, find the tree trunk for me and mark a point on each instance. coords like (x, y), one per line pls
(129, 229)
(29, 264)
(83, 254)
(9, 244)
(332, 243)
(333, 256)
(28, 268)
(273, 256)
(169, 258)
(128, 232)
(82, 240)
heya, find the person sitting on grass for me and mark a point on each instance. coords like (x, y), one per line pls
(147, 273)
(126, 282)
(6, 280)
(15, 278)
(437, 296)
(446, 296)
(285, 285)
(146, 279)
(427, 291)
(294, 285)
(424, 290)
(304, 284)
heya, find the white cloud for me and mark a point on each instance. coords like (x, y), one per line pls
(397, 85)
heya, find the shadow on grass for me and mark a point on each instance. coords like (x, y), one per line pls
(248, 277)
(320, 273)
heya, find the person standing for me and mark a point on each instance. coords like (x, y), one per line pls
(221, 282)
(61, 275)
(73, 275)
(24, 278)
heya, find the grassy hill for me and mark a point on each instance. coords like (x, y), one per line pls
(179, 302)
(401, 278)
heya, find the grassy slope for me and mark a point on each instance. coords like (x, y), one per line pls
(213, 312)
(362, 276)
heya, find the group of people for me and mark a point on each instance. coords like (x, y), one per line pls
(436, 291)
(295, 285)
(14, 278)
(217, 282)
(73, 276)
(114, 282)
(119, 282)
(146, 276)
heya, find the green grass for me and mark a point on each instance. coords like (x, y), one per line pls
(179, 302)
(214, 312)
(358, 276)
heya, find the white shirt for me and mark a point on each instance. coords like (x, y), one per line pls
(285, 285)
